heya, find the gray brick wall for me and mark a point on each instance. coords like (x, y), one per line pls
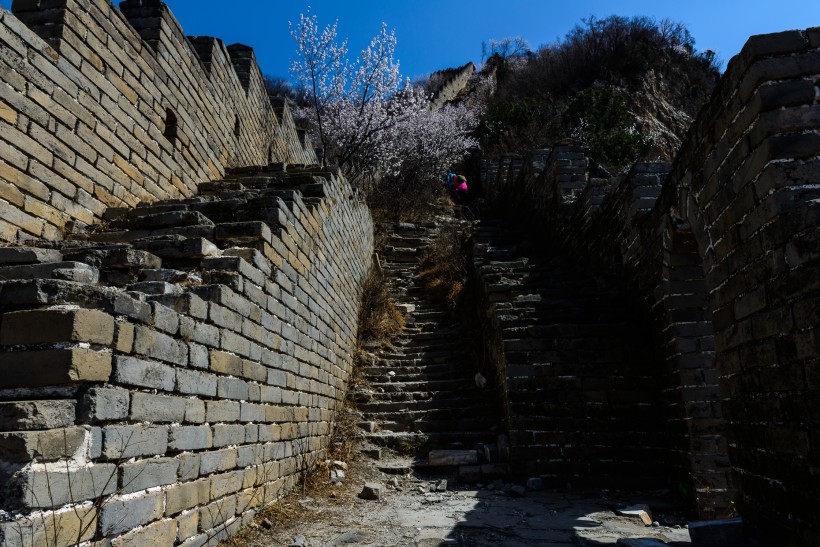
(720, 249)
(83, 111)
(179, 407)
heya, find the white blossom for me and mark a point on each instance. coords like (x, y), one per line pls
(367, 120)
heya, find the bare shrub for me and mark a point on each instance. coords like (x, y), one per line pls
(444, 266)
(379, 317)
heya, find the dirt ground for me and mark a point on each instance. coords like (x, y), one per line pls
(413, 512)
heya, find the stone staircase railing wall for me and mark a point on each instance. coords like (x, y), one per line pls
(453, 86)
(721, 247)
(101, 107)
(164, 377)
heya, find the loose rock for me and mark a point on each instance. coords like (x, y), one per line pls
(535, 483)
(640, 511)
(371, 491)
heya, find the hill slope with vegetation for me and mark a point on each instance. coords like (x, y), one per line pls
(627, 88)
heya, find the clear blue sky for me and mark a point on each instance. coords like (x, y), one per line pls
(435, 34)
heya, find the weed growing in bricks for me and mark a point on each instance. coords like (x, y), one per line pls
(444, 267)
(56, 527)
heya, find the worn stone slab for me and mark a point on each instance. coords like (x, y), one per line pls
(47, 326)
(53, 367)
(15, 256)
(44, 414)
(452, 457)
(69, 271)
(61, 527)
(47, 445)
(120, 257)
(57, 484)
(640, 511)
(144, 474)
(124, 513)
(178, 247)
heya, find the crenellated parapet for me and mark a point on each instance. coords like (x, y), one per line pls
(101, 107)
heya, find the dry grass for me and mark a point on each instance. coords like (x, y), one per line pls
(298, 506)
(379, 317)
(444, 267)
(417, 206)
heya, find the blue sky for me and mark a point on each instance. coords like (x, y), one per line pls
(435, 34)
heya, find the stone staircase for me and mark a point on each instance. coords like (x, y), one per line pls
(581, 397)
(173, 245)
(422, 393)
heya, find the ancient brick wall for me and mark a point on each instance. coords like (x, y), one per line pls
(722, 250)
(452, 87)
(101, 107)
(164, 376)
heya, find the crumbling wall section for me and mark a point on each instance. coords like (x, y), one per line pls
(101, 107)
(452, 87)
(722, 250)
(163, 377)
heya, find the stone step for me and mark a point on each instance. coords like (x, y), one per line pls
(421, 386)
(20, 256)
(441, 407)
(410, 439)
(399, 397)
(443, 370)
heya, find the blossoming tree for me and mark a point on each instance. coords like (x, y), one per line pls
(366, 118)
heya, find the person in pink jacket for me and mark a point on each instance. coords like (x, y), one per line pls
(460, 188)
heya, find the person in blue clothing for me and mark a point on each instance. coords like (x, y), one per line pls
(451, 181)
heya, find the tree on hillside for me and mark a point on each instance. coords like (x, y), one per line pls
(626, 87)
(505, 48)
(367, 119)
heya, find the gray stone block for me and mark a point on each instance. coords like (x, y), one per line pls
(160, 346)
(251, 412)
(233, 388)
(164, 318)
(225, 435)
(190, 437)
(197, 356)
(163, 532)
(187, 496)
(195, 382)
(20, 415)
(12, 256)
(127, 441)
(222, 411)
(47, 445)
(56, 484)
(144, 474)
(188, 466)
(146, 407)
(121, 514)
(218, 460)
(138, 372)
(104, 404)
(194, 411)
(198, 331)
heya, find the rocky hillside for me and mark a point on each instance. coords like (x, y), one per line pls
(627, 88)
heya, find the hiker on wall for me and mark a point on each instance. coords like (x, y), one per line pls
(450, 182)
(460, 189)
